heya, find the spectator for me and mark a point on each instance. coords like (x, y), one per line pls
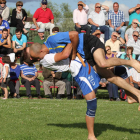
(43, 17)
(29, 77)
(135, 42)
(134, 27)
(97, 19)
(109, 53)
(5, 75)
(19, 17)
(67, 78)
(40, 37)
(97, 33)
(19, 42)
(115, 42)
(134, 13)
(48, 81)
(55, 30)
(116, 20)
(4, 24)
(4, 10)
(80, 18)
(5, 43)
(14, 83)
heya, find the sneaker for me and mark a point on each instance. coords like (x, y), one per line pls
(118, 99)
(50, 96)
(18, 96)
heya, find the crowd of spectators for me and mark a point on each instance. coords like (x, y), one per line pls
(116, 35)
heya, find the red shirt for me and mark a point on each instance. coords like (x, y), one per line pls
(43, 16)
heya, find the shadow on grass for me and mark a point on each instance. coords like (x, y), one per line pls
(99, 127)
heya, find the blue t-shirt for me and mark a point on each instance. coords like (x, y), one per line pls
(1, 38)
(28, 70)
(132, 16)
(57, 42)
(4, 24)
(14, 73)
(19, 43)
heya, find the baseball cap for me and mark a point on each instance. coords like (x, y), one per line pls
(44, 2)
(41, 30)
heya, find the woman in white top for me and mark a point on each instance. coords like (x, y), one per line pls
(4, 10)
(5, 75)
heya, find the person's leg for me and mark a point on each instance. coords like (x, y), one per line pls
(12, 87)
(86, 28)
(41, 25)
(78, 29)
(67, 86)
(49, 26)
(46, 86)
(105, 30)
(122, 31)
(93, 28)
(110, 91)
(115, 92)
(17, 86)
(110, 31)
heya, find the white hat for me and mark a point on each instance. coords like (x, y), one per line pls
(41, 30)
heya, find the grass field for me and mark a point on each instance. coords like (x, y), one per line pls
(45, 119)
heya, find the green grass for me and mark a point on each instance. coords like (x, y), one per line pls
(45, 119)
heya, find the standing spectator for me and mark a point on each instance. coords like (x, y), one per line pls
(80, 18)
(19, 42)
(29, 77)
(4, 24)
(5, 75)
(116, 20)
(19, 17)
(40, 37)
(97, 19)
(134, 27)
(43, 17)
(14, 83)
(114, 42)
(135, 42)
(5, 43)
(134, 13)
(4, 10)
(48, 81)
(97, 33)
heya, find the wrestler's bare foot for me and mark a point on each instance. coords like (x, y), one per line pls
(91, 138)
(131, 100)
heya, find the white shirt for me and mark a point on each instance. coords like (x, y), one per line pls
(135, 45)
(135, 75)
(80, 17)
(4, 70)
(61, 66)
(98, 18)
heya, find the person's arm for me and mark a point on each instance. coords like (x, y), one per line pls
(52, 21)
(2, 43)
(23, 47)
(120, 38)
(8, 43)
(64, 54)
(23, 76)
(6, 13)
(13, 44)
(33, 78)
(24, 15)
(105, 7)
(126, 38)
(92, 23)
(6, 73)
(134, 8)
(34, 21)
(75, 18)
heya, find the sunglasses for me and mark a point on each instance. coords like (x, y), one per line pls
(80, 5)
(108, 49)
(20, 5)
(44, 4)
(98, 7)
(3, 3)
(134, 23)
(135, 35)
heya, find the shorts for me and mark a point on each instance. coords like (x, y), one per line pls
(87, 82)
(121, 72)
(4, 85)
(91, 44)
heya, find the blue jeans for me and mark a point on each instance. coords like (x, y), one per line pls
(121, 31)
(104, 29)
(115, 91)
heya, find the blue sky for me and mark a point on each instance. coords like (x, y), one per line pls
(32, 5)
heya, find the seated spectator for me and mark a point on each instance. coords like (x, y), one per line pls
(14, 83)
(4, 10)
(40, 37)
(48, 81)
(134, 42)
(5, 43)
(19, 42)
(134, 27)
(97, 33)
(80, 18)
(19, 17)
(115, 42)
(4, 25)
(116, 20)
(43, 17)
(97, 19)
(67, 78)
(55, 30)
(109, 53)
(134, 13)
(29, 77)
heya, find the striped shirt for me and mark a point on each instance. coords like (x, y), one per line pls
(116, 19)
(28, 70)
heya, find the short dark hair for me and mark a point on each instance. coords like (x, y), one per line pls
(6, 59)
(4, 30)
(55, 29)
(115, 3)
(18, 30)
(0, 16)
